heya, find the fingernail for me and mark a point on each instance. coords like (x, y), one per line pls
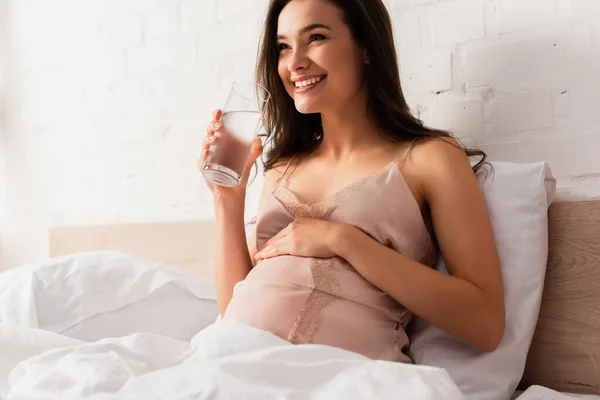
(211, 139)
(217, 125)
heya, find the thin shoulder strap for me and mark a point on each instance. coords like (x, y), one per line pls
(410, 146)
(286, 168)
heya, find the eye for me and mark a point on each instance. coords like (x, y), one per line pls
(282, 46)
(316, 36)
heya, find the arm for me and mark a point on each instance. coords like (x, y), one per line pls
(234, 256)
(468, 303)
(233, 261)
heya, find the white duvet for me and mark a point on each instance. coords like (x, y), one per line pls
(71, 328)
(227, 360)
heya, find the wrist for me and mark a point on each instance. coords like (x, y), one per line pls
(229, 206)
(341, 239)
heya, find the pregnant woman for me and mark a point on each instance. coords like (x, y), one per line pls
(359, 197)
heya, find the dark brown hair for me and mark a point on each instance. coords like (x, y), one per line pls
(289, 132)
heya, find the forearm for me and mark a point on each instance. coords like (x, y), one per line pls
(233, 261)
(450, 303)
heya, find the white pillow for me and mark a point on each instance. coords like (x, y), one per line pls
(94, 295)
(517, 197)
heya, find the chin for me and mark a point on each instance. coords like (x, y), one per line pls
(307, 107)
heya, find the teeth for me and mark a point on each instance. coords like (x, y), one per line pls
(307, 82)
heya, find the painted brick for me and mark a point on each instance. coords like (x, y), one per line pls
(125, 8)
(490, 17)
(596, 37)
(427, 72)
(516, 15)
(224, 70)
(127, 33)
(525, 111)
(197, 15)
(569, 156)
(578, 189)
(406, 30)
(584, 8)
(563, 12)
(457, 24)
(464, 118)
(161, 54)
(227, 9)
(532, 63)
(395, 4)
(234, 35)
(585, 107)
(160, 21)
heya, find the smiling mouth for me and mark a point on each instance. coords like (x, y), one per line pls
(308, 84)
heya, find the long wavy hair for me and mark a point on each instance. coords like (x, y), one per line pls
(289, 132)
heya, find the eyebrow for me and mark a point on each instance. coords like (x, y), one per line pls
(307, 29)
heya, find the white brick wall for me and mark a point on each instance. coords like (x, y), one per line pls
(457, 23)
(109, 98)
(519, 15)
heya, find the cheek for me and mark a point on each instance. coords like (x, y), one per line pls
(284, 76)
(348, 79)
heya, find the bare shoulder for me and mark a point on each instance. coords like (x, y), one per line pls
(277, 169)
(279, 165)
(274, 173)
(438, 153)
(439, 162)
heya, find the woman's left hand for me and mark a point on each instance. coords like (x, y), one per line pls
(304, 237)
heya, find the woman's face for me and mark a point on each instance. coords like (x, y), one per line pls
(320, 64)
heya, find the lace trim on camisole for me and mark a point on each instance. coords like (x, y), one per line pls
(326, 288)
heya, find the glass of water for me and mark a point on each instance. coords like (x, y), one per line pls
(241, 120)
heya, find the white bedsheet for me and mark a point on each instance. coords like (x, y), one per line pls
(227, 360)
(542, 393)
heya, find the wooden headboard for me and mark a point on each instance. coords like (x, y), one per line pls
(186, 245)
(565, 353)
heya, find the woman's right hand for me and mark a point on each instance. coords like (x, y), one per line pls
(222, 193)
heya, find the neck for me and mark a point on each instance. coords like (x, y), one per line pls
(347, 131)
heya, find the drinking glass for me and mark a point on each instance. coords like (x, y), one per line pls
(241, 120)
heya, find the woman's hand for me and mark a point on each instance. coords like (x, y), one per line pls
(304, 237)
(221, 193)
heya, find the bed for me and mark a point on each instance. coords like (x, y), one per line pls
(565, 352)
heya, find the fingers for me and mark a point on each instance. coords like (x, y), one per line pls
(210, 139)
(214, 126)
(207, 142)
(281, 235)
(274, 249)
(255, 152)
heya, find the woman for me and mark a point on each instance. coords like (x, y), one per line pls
(358, 198)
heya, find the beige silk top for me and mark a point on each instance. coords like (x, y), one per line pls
(325, 301)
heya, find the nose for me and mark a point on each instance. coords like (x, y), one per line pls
(298, 61)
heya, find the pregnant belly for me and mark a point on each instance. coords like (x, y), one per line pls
(273, 294)
(307, 300)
